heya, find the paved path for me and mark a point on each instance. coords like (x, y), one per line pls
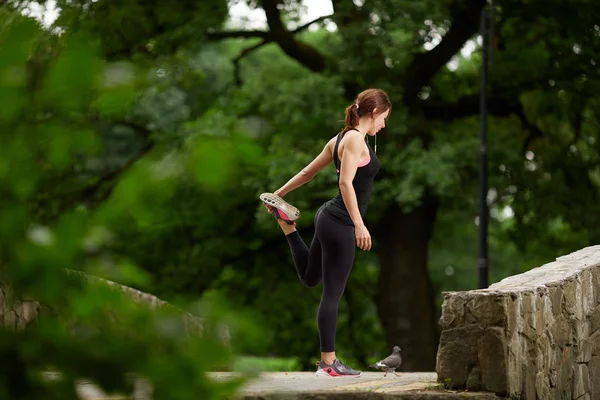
(298, 383)
(302, 382)
(305, 385)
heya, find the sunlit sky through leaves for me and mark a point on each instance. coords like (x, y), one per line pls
(243, 17)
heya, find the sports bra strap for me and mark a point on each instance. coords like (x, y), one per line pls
(336, 159)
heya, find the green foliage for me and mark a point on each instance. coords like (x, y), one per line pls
(141, 28)
(87, 329)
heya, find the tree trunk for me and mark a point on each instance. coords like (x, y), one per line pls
(405, 300)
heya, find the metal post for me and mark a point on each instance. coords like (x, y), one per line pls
(483, 187)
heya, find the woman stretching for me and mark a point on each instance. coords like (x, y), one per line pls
(339, 225)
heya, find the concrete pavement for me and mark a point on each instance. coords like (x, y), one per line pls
(305, 385)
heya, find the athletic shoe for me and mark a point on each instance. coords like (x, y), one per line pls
(337, 369)
(280, 208)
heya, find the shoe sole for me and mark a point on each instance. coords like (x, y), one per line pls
(323, 373)
(275, 201)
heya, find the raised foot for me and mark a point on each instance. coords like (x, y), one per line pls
(279, 208)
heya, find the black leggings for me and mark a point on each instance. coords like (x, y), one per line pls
(329, 259)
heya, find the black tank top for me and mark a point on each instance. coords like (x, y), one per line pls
(362, 183)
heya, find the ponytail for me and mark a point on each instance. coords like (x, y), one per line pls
(365, 104)
(352, 117)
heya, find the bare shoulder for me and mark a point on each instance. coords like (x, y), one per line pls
(353, 138)
(353, 134)
(330, 145)
(331, 142)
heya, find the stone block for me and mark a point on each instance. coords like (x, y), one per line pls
(28, 311)
(514, 322)
(546, 312)
(542, 386)
(570, 296)
(514, 369)
(10, 319)
(487, 310)
(594, 341)
(587, 292)
(492, 356)
(581, 381)
(581, 331)
(474, 380)
(529, 330)
(556, 297)
(584, 351)
(579, 314)
(539, 313)
(555, 366)
(529, 390)
(527, 303)
(544, 353)
(457, 354)
(453, 309)
(595, 274)
(561, 331)
(594, 373)
(595, 319)
(565, 374)
(529, 316)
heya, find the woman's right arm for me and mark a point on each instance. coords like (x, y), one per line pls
(350, 158)
(308, 172)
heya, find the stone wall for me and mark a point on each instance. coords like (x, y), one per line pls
(532, 336)
(18, 313)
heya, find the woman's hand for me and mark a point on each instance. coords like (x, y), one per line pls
(363, 237)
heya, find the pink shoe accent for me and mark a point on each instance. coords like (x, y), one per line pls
(331, 371)
(283, 215)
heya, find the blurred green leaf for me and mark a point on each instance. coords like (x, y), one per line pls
(212, 162)
(74, 74)
(13, 101)
(15, 45)
(115, 102)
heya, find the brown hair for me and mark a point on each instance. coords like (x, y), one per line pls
(366, 102)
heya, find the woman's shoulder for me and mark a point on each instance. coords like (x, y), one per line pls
(353, 133)
(353, 136)
(343, 137)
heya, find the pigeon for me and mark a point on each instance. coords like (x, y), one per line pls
(390, 363)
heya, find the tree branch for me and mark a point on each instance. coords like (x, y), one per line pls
(268, 39)
(305, 54)
(465, 23)
(237, 34)
(266, 35)
(346, 12)
(500, 106)
(236, 61)
(534, 131)
(314, 21)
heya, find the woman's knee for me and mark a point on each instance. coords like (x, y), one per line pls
(333, 296)
(311, 283)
